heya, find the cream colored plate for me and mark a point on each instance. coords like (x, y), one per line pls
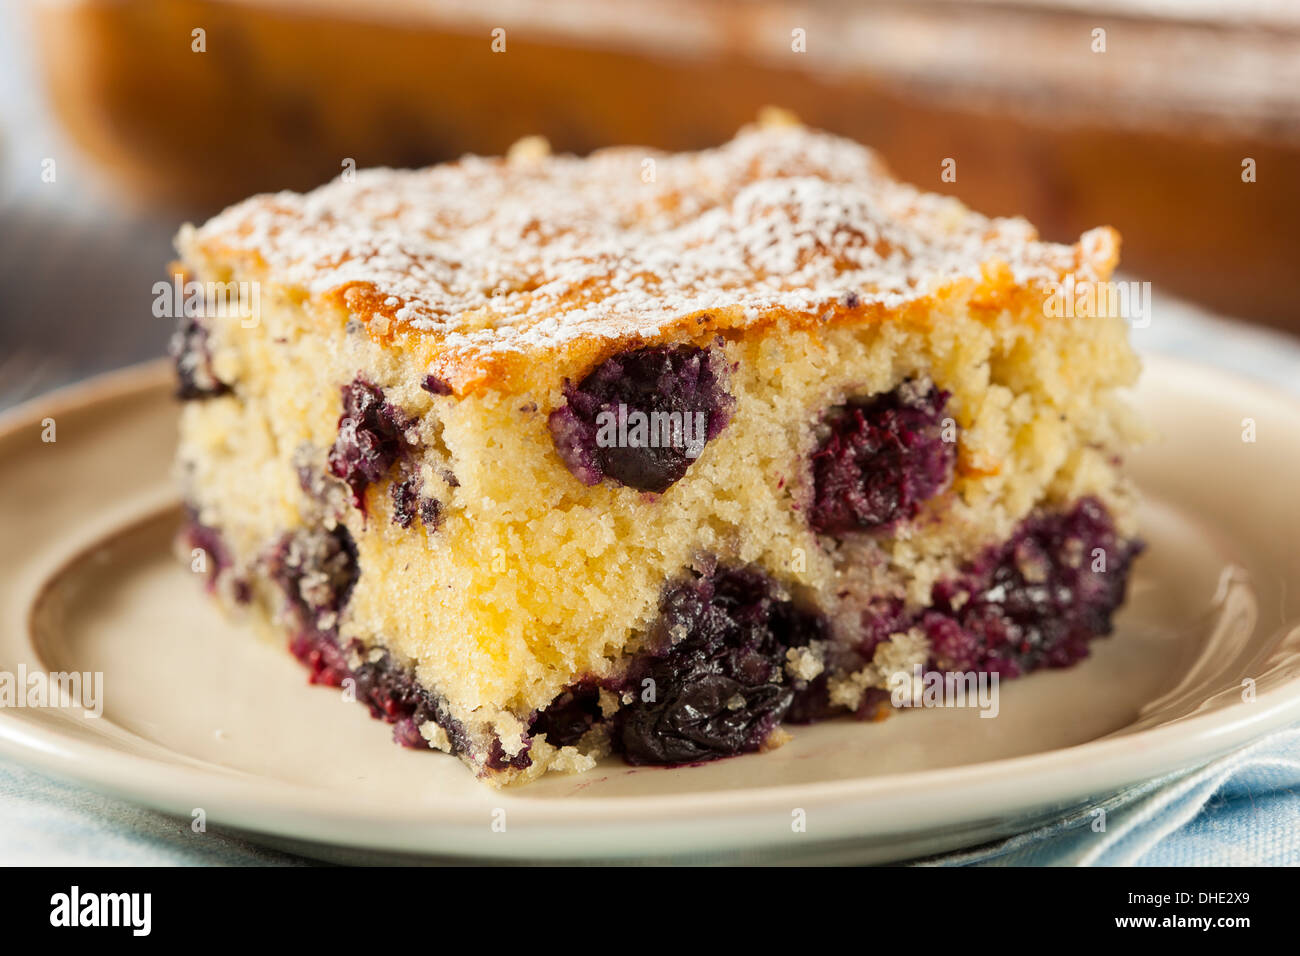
(200, 714)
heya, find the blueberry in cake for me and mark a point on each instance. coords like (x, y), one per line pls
(652, 454)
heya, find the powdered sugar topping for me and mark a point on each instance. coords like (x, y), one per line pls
(533, 251)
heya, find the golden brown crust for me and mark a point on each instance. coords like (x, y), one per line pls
(482, 270)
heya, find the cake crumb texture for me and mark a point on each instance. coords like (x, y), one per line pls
(463, 302)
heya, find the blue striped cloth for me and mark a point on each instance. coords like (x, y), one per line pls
(1239, 810)
(1243, 808)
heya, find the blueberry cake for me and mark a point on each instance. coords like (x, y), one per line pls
(652, 455)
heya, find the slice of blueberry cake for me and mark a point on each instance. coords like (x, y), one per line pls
(650, 455)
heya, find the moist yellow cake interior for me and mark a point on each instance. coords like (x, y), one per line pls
(535, 580)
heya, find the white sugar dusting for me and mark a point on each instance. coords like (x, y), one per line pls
(495, 255)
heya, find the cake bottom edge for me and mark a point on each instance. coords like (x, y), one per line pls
(734, 658)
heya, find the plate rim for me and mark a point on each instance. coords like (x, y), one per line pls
(282, 808)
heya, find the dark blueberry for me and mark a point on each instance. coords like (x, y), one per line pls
(388, 690)
(392, 693)
(498, 759)
(406, 496)
(372, 435)
(793, 626)
(407, 733)
(408, 504)
(569, 716)
(720, 687)
(435, 386)
(1036, 600)
(883, 618)
(640, 418)
(219, 561)
(189, 349)
(812, 703)
(317, 571)
(881, 458)
(320, 654)
(210, 541)
(431, 513)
